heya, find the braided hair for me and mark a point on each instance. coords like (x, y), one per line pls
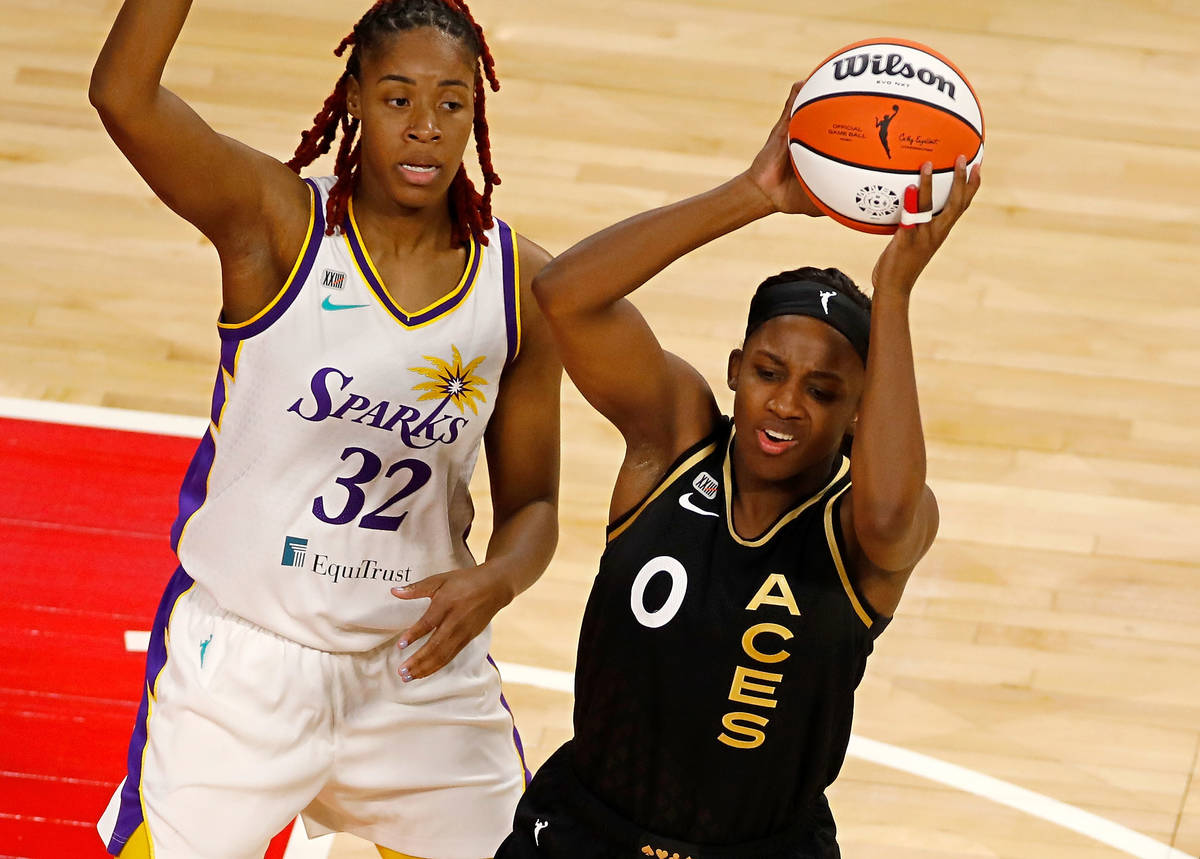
(470, 212)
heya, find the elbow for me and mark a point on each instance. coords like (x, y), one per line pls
(547, 292)
(101, 87)
(896, 535)
(113, 96)
(885, 525)
(553, 294)
(104, 95)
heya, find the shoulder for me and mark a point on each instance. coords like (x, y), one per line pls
(531, 258)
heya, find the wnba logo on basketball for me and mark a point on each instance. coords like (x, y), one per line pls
(893, 65)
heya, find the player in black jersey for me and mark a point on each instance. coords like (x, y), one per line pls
(750, 563)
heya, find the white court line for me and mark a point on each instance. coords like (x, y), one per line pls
(101, 417)
(1004, 793)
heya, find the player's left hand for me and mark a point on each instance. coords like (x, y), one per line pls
(912, 247)
(461, 605)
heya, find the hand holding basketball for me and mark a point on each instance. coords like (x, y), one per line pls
(866, 120)
(772, 170)
(911, 247)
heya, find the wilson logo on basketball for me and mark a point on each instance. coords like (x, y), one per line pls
(893, 65)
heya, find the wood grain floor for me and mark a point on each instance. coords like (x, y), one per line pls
(1052, 638)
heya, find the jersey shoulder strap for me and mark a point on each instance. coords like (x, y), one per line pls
(711, 445)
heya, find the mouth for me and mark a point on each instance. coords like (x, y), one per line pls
(774, 442)
(419, 174)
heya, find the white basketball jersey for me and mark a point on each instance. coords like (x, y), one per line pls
(343, 435)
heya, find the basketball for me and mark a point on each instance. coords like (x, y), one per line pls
(866, 120)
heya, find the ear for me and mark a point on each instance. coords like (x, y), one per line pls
(353, 97)
(735, 367)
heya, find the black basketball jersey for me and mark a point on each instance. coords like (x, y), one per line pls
(716, 674)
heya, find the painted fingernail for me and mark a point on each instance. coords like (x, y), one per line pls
(402, 644)
(911, 200)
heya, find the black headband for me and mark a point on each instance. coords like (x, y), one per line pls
(808, 298)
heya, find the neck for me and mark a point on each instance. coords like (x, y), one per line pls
(758, 501)
(400, 229)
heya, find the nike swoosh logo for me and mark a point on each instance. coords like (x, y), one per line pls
(686, 503)
(329, 305)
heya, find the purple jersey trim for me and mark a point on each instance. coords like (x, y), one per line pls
(516, 735)
(292, 288)
(447, 304)
(508, 251)
(194, 490)
(129, 818)
(228, 358)
(195, 486)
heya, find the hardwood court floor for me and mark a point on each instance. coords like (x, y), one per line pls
(1052, 637)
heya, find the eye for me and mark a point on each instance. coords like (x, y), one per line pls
(453, 105)
(821, 395)
(398, 101)
(767, 373)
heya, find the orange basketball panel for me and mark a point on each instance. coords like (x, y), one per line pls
(883, 132)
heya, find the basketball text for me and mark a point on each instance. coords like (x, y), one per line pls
(892, 65)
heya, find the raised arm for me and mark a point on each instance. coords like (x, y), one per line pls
(892, 517)
(654, 398)
(252, 207)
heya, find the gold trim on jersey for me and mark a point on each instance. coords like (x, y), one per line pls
(663, 485)
(287, 282)
(516, 290)
(831, 537)
(458, 295)
(727, 473)
(138, 845)
(387, 853)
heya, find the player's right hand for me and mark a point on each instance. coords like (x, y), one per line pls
(772, 170)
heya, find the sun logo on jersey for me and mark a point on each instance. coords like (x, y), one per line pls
(451, 382)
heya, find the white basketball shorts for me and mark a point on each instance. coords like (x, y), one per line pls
(240, 730)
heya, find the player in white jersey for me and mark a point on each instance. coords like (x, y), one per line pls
(323, 645)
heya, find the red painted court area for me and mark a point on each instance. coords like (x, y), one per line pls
(84, 554)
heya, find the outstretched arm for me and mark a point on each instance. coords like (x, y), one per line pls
(241, 199)
(654, 399)
(892, 514)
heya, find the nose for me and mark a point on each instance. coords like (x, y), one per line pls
(424, 127)
(785, 402)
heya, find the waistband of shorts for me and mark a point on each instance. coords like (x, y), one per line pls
(627, 834)
(206, 601)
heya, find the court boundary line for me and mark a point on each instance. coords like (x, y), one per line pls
(979, 784)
